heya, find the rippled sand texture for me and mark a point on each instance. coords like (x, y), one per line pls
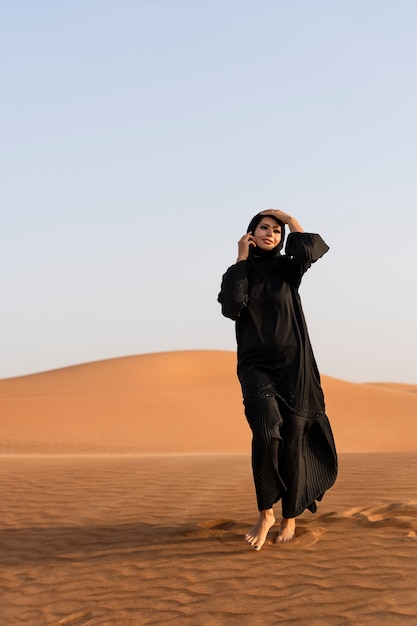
(159, 540)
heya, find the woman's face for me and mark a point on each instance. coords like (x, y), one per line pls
(267, 233)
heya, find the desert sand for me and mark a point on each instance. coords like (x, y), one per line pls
(127, 489)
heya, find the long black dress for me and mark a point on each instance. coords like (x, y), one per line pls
(293, 452)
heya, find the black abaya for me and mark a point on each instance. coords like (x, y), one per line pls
(293, 452)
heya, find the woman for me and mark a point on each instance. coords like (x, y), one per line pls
(293, 453)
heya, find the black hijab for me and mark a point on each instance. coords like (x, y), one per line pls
(255, 252)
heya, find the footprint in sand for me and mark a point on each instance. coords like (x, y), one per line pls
(396, 514)
(218, 528)
(217, 524)
(412, 535)
(304, 537)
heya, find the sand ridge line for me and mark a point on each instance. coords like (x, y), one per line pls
(82, 618)
(181, 416)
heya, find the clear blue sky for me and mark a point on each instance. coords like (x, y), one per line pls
(138, 138)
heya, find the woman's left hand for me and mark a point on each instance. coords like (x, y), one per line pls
(280, 215)
(293, 224)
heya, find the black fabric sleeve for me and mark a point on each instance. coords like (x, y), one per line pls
(233, 294)
(304, 249)
(306, 246)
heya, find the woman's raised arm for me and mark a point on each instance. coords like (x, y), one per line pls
(293, 224)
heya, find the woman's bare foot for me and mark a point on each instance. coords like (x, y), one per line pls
(256, 537)
(286, 530)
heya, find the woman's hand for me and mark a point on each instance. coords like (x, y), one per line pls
(292, 223)
(244, 245)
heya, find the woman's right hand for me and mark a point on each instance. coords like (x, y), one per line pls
(244, 245)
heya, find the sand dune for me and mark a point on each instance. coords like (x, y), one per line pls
(179, 402)
(397, 386)
(153, 539)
